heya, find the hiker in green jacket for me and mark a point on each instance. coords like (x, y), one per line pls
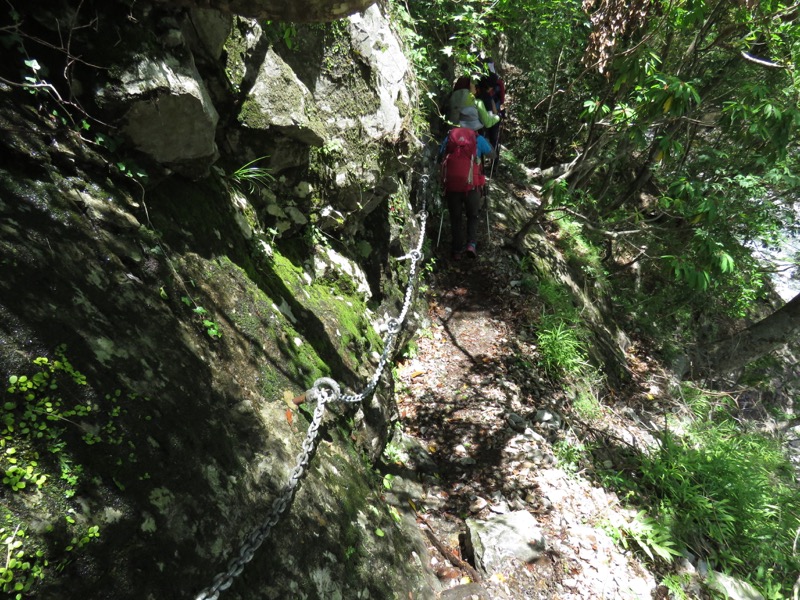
(463, 95)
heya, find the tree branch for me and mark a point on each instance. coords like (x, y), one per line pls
(451, 556)
(762, 62)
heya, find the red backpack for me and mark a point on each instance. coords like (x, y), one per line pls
(461, 169)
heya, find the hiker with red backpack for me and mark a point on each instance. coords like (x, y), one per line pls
(461, 155)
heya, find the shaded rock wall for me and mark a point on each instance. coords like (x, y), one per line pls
(306, 11)
(178, 307)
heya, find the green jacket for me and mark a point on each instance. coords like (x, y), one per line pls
(463, 98)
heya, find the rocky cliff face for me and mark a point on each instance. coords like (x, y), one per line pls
(160, 303)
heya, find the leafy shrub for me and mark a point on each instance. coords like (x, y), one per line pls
(560, 350)
(649, 535)
(726, 494)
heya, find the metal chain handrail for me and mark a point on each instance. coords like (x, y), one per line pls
(325, 390)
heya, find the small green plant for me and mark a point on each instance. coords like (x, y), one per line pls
(560, 350)
(650, 536)
(250, 177)
(557, 300)
(18, 477)
(24, 566)
(395, 454)
(569, 454)
(676, 584)
(211, 327)
(289, 35)
(577, 250)
(131, 169)
(586, 405)
(559, 334)
(528, 283)
(398, 207)
(411, 350)
(42, 415)
(425, 274)
(79, 541)
(280, 31)
(721, 492)
(725, 491)
(394, 514)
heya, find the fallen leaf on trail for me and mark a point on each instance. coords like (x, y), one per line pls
(444, 571)
(417, 374)
(289, 415)
(288, 397)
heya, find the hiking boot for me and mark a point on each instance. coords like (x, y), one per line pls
(472, 250)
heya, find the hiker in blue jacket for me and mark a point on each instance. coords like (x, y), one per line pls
(465, 196)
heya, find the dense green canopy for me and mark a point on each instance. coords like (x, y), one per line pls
(663, 134)
(668, 126)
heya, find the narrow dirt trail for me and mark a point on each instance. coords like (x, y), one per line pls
(478, 431)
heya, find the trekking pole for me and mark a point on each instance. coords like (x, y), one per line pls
(486, 208)
(488, 229)
(440, 205)
(441, 220)
(497, 149)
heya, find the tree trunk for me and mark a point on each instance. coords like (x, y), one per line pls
(754, 342)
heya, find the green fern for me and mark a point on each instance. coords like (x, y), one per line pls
(652, 537)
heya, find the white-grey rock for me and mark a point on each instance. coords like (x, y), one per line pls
(170, 116)
(279, 99)
(734, 588)
(516, 535)
(548, 418)
(516, 422)
(375, 43)
(330, 261)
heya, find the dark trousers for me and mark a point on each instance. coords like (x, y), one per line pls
(459, 203)
(493, 135)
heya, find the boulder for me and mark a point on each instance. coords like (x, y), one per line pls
(209, 29)
(515, 535)
(278, 99)
(168, 114)
(375, 44)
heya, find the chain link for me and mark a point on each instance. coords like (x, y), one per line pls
(325, 390)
